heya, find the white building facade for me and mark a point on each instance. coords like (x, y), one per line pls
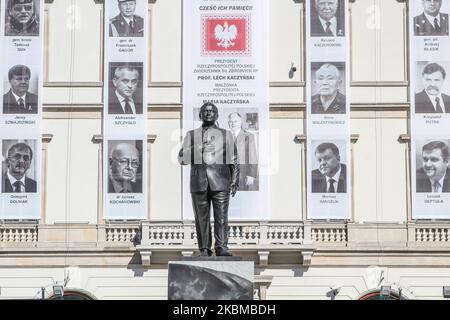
(295, 258)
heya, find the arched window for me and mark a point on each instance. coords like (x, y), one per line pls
(73, 295)
(376, 295)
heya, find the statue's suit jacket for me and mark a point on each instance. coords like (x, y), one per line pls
(220, 175)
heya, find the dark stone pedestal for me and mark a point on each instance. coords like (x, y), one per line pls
(211, 278)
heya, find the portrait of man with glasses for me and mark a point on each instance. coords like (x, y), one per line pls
(125, 173)
(22, 18)
(19, 158)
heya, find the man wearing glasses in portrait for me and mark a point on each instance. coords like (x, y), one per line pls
(22, 18)
(124, 162)
(18, 161)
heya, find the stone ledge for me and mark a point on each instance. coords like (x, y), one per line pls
(301, 254)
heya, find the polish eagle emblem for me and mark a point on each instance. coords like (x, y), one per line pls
(225, 35)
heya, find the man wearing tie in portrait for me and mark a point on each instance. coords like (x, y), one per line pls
(331, 176)
(431, 99)
(18, 99)
(247, 155)
(431, 22)
(434, 176)
(123, 94)
(326, 19)
(18, 161)
(126, 24)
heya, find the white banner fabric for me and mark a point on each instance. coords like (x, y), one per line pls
(21, 37)
(225, 45)
(125, 110)
(328, 109)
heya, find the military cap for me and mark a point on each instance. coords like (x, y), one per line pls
(14, 2)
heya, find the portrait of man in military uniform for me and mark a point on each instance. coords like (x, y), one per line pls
(126, 23)
(328, 85)
(22, 18)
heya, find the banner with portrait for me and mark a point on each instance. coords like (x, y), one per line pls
(225, 46)
(328, 109)
(430, 108)
(125, 110)
(21, 37)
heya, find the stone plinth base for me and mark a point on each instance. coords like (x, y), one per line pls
(210, 279)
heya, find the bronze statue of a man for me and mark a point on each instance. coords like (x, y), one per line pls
(212, 154)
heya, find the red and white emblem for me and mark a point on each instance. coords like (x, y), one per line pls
(226, 35)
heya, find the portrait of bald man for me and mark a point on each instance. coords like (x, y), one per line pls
(431, 22)
(327, 18)
(326, 83)
(125, 88)
(125, 172)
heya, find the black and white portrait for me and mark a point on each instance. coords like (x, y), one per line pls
(327, 18)
(432, 166)
(125, 88)
(126, 20)
(432, 87)
(328, 88)
(330, 169)
(125, 166)
(244, 125)
(430, 19)
(21, 87)
(22, 18)
(19, 166)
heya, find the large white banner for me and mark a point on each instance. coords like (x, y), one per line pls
(225, 62)
(430, 108)
(21, 37)
(125, 109)
(328, 109)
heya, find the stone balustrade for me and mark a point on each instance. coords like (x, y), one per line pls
(240, 233)
(16, 233)
(333, 233)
